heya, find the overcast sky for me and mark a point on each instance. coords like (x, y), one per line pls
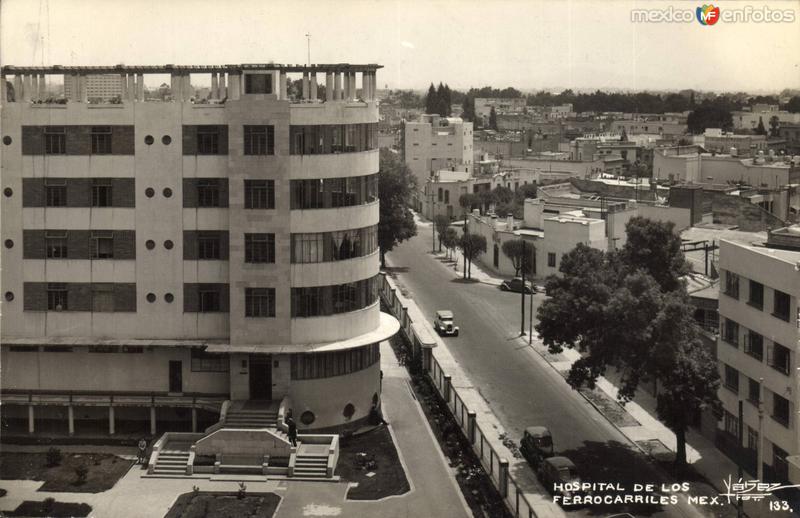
(526, 44)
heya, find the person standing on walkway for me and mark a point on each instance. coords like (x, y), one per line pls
(292, 430)
(142, 450)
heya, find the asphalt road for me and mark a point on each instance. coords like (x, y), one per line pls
(521, 386)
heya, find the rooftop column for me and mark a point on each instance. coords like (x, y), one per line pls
(328, 86)
(186, 85)
(83, 88)
(282, 86)
(123, 83)
(305, 85)
(3, 90)
(131, 87)
(234, 86)
(18, 88)
(352, 90)
(337, 86)
(223, 91)
(26, 87)
(312, 88)
(34, 87)
(214, 86)
(42, 88)
(140, 87)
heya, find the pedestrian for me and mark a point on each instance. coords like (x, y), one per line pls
(287, 416)
(292, 430)
(142, 450)
(376, 416)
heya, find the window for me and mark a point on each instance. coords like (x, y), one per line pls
(259, 194)
(756, 298)
(55, 242)
(258, 83)
(731, 424)
(208, 245)
(754, 345)
(551, 259)
(447, 196)
(259, 248)
(133, 349)
(55, 140)
(101, 244)
(102, 298)
(731, 379)
(730, 332)
(57, 296)
(208, 362)
(781, 305)
(731, 285)
(208, 193)
(207, 140)
(439, 196)
(101, 193)
(101, 140)
(780, 409)
(752, 438)
(259, 140)
(330, 300)
(209, 301)
(781, 359)
(332, 138)
(259, 302)
(337, 363)
(753, 391)
(55, 193)
(333, 192)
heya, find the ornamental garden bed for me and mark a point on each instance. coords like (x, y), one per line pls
(49, 508)
(62, 474)
(370, 459)
(219, 504)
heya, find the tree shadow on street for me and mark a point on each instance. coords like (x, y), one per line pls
(461, 280)
(394, 270)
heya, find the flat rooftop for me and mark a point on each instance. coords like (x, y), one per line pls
(188, 69)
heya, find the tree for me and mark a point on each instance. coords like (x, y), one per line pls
(395, 185)
(760, 130)
(519, 252)
(441, 222)
(472, 245)
(450, 240)
(710, 114)
(468, 108)
(431, 101)
(590, 308)
(468, 201)
(774, 126)
(793, 105)
(493, 119)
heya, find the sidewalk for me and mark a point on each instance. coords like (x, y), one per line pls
(701, 453)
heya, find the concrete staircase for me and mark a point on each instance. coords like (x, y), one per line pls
(251, 418)
(310, 465)
(171, 462)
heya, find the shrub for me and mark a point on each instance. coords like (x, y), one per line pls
(242, 491)
(81, 472)
(53, 457)
(48, 504)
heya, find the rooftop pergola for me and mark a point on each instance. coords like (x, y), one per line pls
(190, 69)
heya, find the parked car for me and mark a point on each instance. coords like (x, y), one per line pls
(443, 323)
(536, 445)
(517, 286)
(561, 470)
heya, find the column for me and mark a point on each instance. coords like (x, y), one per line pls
(214, 86)
(26, 87)
(365, 86)
(345, 86)
(305, 86)
(282, 86)
(446, 389)
(111, 420)
(471, 426)
(503, 478)
(35, 87)
(123, 83)
(42, 88)
(18, 88)
(83, 88)
(194, 420)
(140, 87)
(186, 82)
(337, 87)
(131, 88)
(30, 419)
(152, 420)
(328, 86)
(352, 86)
(223, 90)
(234, 86)
(71, 419)
(3, 91)
(312, 87)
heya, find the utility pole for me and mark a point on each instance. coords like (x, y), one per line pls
(522, 307)
(533, 291)
(760, 459)
(739, 503)
(466, 240)
(308, 39)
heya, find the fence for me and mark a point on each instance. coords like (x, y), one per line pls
(493, 462)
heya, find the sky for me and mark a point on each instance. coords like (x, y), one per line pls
(533, 44)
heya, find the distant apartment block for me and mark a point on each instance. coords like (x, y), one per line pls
(99, 87)
(484, 105)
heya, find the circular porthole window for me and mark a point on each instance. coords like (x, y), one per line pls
(7, 140)
(149, 192)
(169, 297)
(150, 244)
(349, 410)
(168, 244)
(307, 417)
(166, 140)
(167, 192)
(149, 140)
(9, 243)
(9, 296)
(151, 297)
(8, 192)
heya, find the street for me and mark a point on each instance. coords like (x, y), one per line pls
(522, 388)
